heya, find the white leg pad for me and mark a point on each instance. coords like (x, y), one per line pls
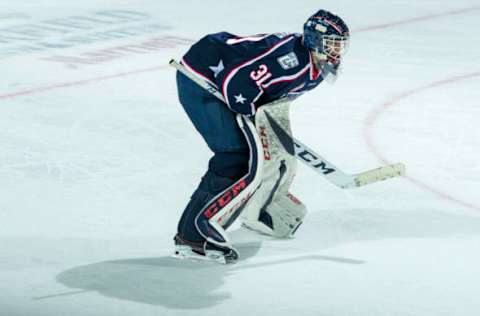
(273, 210)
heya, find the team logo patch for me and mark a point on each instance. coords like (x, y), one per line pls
(288, 61)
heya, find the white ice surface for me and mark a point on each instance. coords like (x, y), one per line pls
(98, 160)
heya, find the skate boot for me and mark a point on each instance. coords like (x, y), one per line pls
(205, 250)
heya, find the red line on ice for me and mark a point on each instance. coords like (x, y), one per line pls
(78, 83)
(373, 117)
(134, 72)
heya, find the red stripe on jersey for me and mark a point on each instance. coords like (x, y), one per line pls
(287, 78)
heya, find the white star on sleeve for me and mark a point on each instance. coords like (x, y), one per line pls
(217, 69)
(239, 98)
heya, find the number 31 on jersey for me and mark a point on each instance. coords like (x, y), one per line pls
(261, 75)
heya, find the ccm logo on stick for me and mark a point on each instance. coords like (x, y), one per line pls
(313, 160)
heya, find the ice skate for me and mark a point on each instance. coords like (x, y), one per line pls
(203, 251)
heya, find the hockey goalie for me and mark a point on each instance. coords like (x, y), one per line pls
(249, 82)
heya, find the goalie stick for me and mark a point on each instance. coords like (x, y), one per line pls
(305, 154)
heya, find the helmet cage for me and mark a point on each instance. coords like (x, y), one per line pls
(334, 47)
(331, 47)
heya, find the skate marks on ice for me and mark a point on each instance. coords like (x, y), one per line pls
(167, 281)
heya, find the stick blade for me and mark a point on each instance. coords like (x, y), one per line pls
(379, 174)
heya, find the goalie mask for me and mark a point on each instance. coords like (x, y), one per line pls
(326, 36)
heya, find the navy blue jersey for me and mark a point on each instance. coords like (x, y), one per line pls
(254, 70)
